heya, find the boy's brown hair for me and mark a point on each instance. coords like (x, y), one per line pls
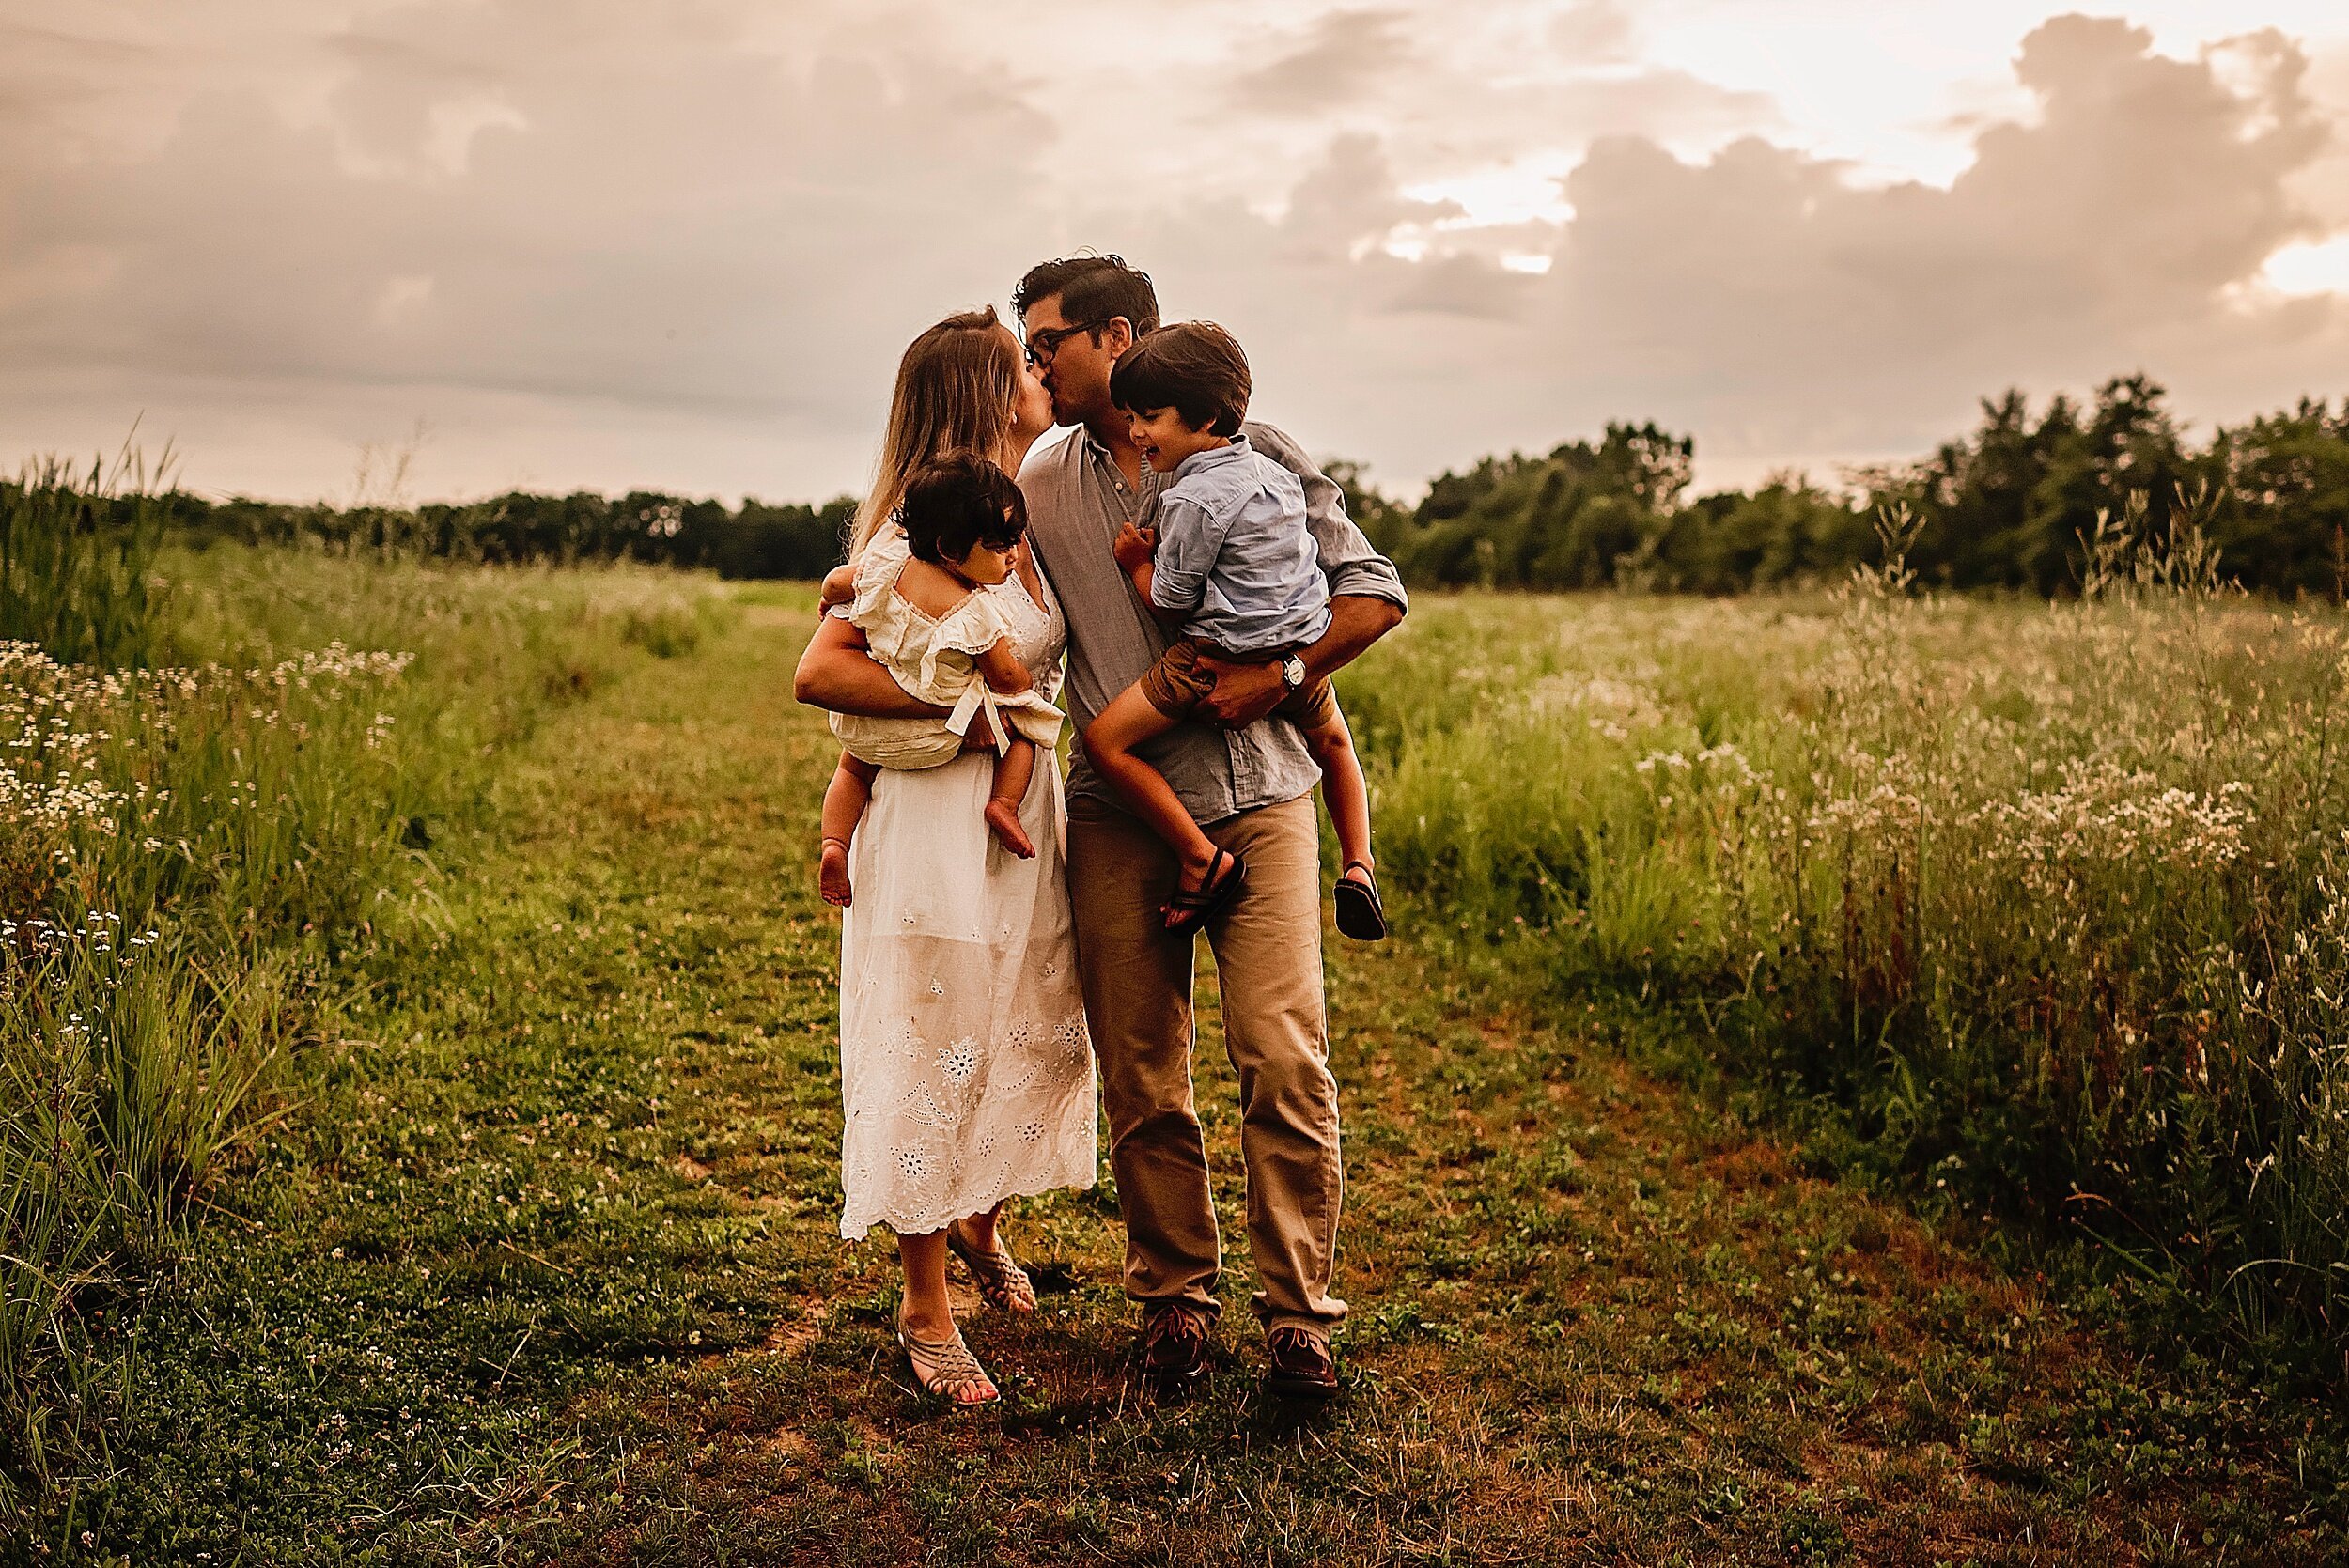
(1193, 367)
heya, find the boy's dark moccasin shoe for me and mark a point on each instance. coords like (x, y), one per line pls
(1301, 1365)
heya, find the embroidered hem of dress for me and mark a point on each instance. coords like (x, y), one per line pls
(854, 1227)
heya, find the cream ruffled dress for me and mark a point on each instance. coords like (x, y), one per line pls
(935, 660)
(966, 1071)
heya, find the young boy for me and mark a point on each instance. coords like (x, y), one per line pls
(1232, 568)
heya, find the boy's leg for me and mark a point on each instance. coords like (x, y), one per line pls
(1131, 721)
(1137, 984)
(1267, 959)
(1013, 769)
(845, 799)
(1343, 787)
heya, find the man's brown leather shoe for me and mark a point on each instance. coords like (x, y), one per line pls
(1175, 1340)
(1301, 1365)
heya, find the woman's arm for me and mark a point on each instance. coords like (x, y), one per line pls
(836, 674)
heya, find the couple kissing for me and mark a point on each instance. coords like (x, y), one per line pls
(1192, 581)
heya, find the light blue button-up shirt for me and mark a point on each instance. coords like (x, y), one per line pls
(1077, 501)
(1235, 555)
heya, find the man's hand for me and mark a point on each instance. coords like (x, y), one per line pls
(1243, 694)
(1134, 548)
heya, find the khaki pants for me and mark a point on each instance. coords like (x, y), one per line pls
(1137, 987)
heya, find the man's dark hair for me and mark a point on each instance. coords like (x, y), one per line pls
(1091, 289)
(1193, 367)
(958, 502)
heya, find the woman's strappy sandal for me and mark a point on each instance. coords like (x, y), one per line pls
(1361, 914)
(1003, 1283)
(946, 1367)
(1192, 907)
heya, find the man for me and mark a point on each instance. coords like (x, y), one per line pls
(1248, 781)
(1250, 785)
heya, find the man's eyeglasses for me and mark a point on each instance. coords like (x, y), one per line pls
(1045, 343)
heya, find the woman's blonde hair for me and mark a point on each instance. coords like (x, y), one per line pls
(958, 388)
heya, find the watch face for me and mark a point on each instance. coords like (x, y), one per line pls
(1293, 670)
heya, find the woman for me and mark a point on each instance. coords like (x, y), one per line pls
(966, 1072)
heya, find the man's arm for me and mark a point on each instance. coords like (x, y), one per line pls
(1244, 693)
(1366, 596)
(1348, 560)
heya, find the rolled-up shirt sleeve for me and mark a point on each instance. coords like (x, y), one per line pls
(1351, 564)
(1189, 538)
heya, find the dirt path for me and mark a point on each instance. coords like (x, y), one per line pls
(558, 1245)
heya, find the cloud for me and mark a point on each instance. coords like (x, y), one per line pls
(673, 220)
(598, 242)
(2113, 230)
(1343, 57)
(1595, 32)
(1763, 298)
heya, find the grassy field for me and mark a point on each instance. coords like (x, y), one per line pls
(2038, 911)
(541, 1265)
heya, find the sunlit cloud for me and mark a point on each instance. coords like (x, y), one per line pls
(2310, 267)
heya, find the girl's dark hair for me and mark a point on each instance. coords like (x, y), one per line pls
(958, 502)
(1193, 367)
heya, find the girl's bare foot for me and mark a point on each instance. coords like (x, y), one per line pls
(1003, 820)
(831, 873)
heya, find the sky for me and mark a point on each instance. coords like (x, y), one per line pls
(600, 245)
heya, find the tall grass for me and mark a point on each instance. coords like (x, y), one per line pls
(199, 812)
(2050, 901)
(76, 556)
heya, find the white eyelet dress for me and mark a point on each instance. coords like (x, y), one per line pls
(966, 1073)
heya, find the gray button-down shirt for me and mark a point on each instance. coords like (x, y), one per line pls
(1078, 499)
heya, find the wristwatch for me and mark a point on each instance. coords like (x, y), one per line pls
(1292, 671)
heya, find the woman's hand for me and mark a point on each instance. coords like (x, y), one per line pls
(1135, 546)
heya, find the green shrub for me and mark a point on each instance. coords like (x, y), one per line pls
(75, 562)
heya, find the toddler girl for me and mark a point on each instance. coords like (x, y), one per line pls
(918, 595)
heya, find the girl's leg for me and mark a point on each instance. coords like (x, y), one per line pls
(1345, 792)
(1013, 769)
(845, 799)
(1109, 741)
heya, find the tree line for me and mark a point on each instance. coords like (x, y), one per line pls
(2018, 503)
(2014, 505)
(754, 539)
